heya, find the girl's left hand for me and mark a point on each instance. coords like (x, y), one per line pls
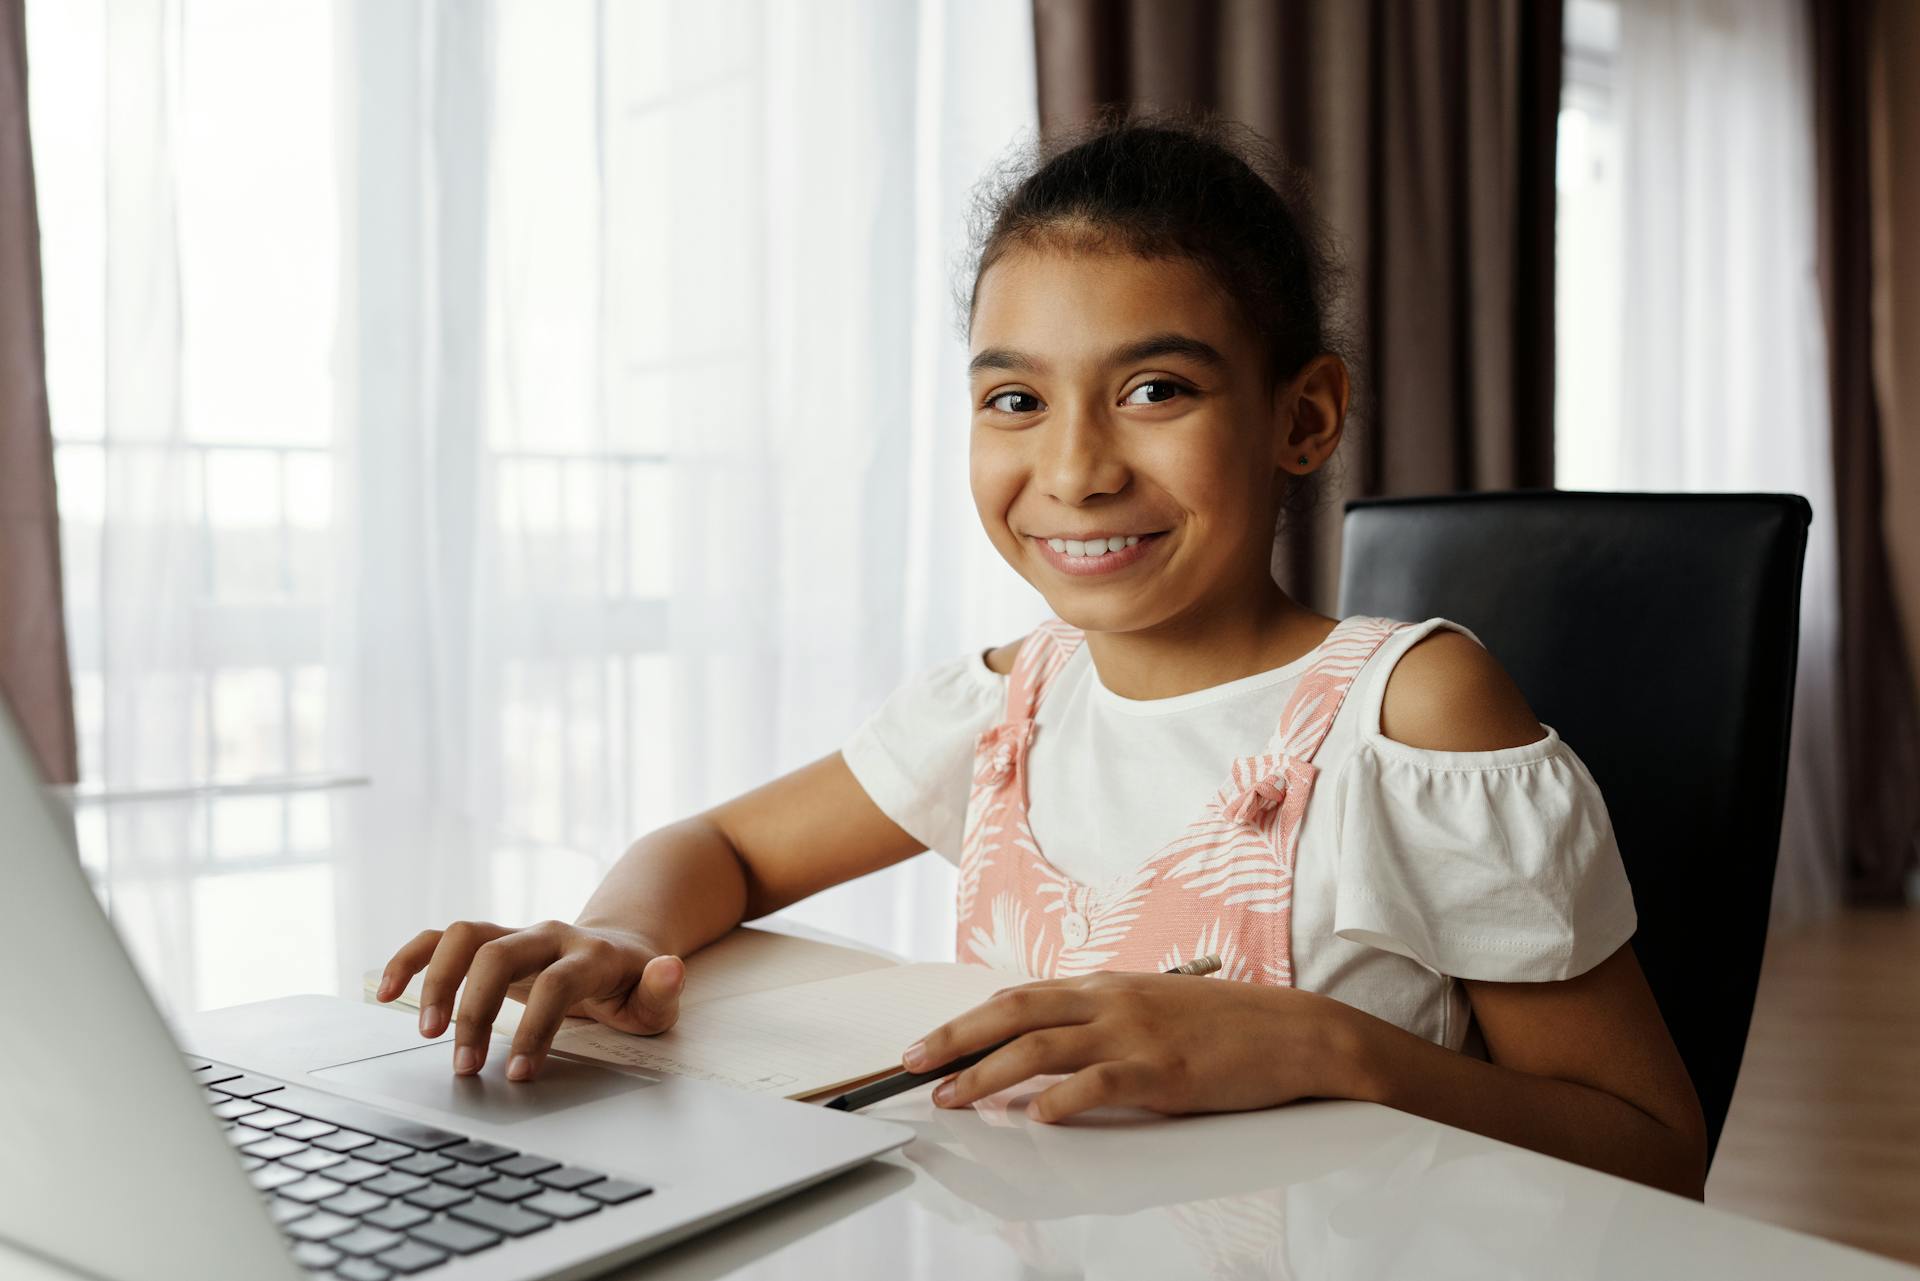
(1166, 1042)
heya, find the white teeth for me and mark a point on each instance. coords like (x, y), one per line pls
(1091, 547)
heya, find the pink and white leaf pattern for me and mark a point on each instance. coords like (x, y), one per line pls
(1225, 885)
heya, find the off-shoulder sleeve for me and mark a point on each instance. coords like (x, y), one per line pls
(914, 756)
(1497, 865)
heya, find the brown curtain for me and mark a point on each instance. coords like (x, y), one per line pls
(33, 643)
(1878, 722)
(1428, 131)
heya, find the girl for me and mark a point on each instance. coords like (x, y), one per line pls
(1412, 884)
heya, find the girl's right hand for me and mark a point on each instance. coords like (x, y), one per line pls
(614, 976)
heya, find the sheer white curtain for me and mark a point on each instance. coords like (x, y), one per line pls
(549, 412)
(1697, 349)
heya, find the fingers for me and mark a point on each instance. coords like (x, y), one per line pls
(495, 964)
(1008, 1013)
(1050, 1049)
(559, 987)
(1114, 1083)
(452, 954)
(406, 963)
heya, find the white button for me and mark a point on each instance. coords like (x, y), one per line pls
(1073, 929)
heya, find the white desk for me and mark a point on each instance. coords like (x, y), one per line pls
(1338, 1190)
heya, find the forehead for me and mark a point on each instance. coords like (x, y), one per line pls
(1065, 305)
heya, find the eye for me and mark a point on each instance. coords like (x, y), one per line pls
(993, 402)
(1166, 387)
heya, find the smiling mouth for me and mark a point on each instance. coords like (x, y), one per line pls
(1096, 555)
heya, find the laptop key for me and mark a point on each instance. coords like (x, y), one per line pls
(269, 1177)
(358, 1116)
(462, 1175)
(568, 1178)
(382, 1152)
(500, 1217)
(247, 1087)
(478, 1153)
(396, 1216)
(311, 1254)
(313, 1160)
(524, 1167)
(394, 1183)
(284, 1211)
(241, 1135)
(615, 1191)
(508, 1189)
(561, 1205)
(422, 1163)
(361, 1270)
(318, 1226)
(313, 1188)
(306, 1131)
(274, 1148)
(353, 1170)
(365, 1240)
(354, 1202)
(436, 1196)
(461, 1238)
(268, 1118)
(412, 1256)
(234, 1109)
(251, 1163)
(343, 1141)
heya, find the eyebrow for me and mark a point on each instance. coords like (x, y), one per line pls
(1168, 344)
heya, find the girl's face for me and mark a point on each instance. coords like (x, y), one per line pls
(1122, 400)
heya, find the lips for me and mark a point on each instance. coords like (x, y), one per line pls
(1110, 562)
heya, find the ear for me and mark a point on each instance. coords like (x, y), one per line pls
(1310, 412)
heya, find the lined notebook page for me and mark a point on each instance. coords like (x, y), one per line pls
(803, 1039)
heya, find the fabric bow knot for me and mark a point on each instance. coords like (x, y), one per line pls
(1260, 783)
(999, 748)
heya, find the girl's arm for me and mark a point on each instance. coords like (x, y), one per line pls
(670, 894)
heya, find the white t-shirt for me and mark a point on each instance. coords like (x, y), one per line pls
(1415, 867)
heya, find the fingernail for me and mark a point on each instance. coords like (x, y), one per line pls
(943, 1093)
(430, 1021)
(385, 985)
(916, 1056)
(519, 1068)
(466, 1059)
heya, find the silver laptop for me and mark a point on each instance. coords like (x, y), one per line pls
(318, 1137)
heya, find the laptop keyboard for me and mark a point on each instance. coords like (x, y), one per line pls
(366, 1195)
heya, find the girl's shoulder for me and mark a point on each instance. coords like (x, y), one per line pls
(1446, 693)
(1000, 660)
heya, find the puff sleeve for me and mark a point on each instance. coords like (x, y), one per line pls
(1497, 865)
(914, 756)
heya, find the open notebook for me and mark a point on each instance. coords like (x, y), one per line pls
(775, 1014)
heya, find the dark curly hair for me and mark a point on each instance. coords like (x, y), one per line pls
(1173, 185)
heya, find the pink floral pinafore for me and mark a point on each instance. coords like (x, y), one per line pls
(1223, 887)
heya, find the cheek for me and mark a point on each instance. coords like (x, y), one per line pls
(994, 473)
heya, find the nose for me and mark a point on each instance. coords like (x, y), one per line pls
(1079, 459)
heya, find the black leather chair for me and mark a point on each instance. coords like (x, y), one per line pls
(1658, 634)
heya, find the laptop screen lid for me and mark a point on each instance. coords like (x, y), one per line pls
(109, 1159)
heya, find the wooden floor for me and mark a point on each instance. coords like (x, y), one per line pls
(1824, 1132)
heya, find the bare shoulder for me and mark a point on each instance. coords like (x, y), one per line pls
(1001, 660)
(1447, 694)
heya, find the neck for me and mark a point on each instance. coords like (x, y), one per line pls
(1262, 630)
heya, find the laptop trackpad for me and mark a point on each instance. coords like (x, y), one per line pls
(425, 1076)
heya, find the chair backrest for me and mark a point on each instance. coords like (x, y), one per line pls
(1658, 634)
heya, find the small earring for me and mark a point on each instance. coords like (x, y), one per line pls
(1303, 460)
